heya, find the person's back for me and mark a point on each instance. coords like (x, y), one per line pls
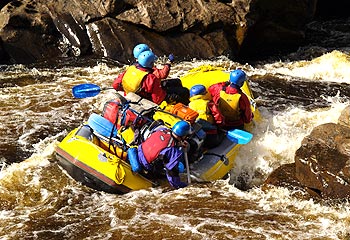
(141, 80)
(161, 73)
(231, 107)
(173, 87)
(199, 102)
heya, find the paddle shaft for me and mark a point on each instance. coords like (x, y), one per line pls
(187, 167)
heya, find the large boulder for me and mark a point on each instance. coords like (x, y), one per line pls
(322, 163)
(38, 30)
(344, 118)
(27, 33)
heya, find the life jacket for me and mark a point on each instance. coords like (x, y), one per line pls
(132, 79)
(155, 143)
(229, 105)
(114, 112)
(200, 105)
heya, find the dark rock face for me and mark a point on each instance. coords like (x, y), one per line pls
(27, 33)
(322, 163)
(38, 30)
(334, 9)
(277, 26)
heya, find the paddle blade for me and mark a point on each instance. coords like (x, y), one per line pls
(239, 136)
(85, 90)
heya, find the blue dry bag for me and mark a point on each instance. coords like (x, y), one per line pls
(134, 160)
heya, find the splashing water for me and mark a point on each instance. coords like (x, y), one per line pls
(39, 201)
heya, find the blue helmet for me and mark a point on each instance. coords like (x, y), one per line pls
(237, 77)
(181, 128)
(146, 59)
(198, 89)
(139, 48)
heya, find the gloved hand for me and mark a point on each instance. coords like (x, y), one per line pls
(171, 98)
(171, 57)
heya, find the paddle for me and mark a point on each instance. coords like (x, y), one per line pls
(87, 90)
(239, 136)
(187, 167)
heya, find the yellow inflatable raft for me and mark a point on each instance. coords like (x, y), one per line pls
(95, 153)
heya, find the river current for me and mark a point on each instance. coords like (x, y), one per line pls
(294, 94)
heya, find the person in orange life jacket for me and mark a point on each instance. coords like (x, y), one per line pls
(162, 150)
(161, 73)
(199, 101)
(141, 80)
(230, 106)
(175, 91)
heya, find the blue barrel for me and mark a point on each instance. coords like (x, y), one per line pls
(134, 159)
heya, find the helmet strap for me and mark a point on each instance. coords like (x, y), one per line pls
(235, 86)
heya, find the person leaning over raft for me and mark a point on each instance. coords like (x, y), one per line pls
(199, 102)
(163, 149)
(231, 107)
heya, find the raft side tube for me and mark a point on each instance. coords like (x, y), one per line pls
(216, 162)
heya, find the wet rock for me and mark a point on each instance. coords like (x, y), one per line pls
(39, 30)
(4, 58)
(322, 164)
(344, 118)
(283, 176)
(276, 26)
(28, 33)
(322, 161)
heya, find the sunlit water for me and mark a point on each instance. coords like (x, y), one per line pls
(39, 201)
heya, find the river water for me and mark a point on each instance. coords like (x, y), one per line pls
(294, 94)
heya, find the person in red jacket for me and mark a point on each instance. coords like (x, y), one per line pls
(139, 78)
(161, 73)
(230, 106)
(173, 86)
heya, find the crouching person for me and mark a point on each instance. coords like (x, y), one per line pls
(199, 102)
(163, 150)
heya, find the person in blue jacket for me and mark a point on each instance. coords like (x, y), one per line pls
(163, 150)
